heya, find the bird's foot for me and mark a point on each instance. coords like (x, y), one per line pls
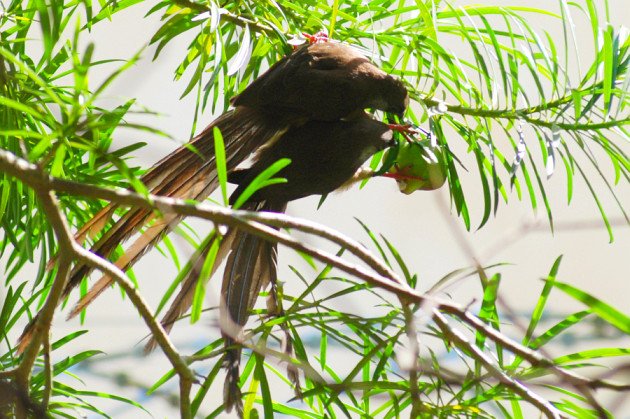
(298, 41)
(408, 130)
(401, 176)
(320, 36)
(403, 128)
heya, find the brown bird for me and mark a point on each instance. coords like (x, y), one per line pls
(323, 81)
(316, 84)
(341, 148)
(324, 156)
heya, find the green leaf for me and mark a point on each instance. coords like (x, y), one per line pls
(542, 301)
(265, 178)
(608, 82)
(488, 311)
(242, 56)
(204, 275)
(58, 344)
(170, 374)
(558, 328)
(591, 354)
(205, 387)
(219, 155)
(75, 392)
(259, 374)
(606, 312)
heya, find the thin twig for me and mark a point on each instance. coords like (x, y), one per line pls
(185, 386)
(306, 226)
(458, 339)
(522, 114)
(531, 356)
(44, 319)
(68, 251)
(230, 17)
(48, 372)
(14, 165)
(250, 223)
(232, 330)
(154, 326)
(414, 349)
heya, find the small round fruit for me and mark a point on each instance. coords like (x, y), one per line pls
(419, 167)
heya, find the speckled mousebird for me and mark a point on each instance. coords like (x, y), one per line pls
(319, 93)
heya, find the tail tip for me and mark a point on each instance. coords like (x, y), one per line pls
(232, 395)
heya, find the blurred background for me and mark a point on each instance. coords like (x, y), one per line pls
(428, 234)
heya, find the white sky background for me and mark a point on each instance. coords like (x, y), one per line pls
(416, 224)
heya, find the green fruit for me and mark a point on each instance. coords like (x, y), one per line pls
(419, 167)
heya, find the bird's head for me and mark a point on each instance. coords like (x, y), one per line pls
(394, 96)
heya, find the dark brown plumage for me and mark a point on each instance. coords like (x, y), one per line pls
(321, 82)
(316, 95)
(325, 82)
(324, 156)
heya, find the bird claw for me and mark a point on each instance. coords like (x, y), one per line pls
(403, 128)
(400, 176)
(408, 130)
(320, 36)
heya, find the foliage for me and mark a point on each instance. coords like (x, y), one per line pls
(505, 102)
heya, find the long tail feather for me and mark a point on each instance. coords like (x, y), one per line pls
(184, 174)
(95, 225)
(90, 229)
(134, 252)
(183, 300)
(250, 267)
(232, 395)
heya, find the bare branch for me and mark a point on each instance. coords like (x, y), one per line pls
(414, 349)
(155, 326)
(457, 338)
(255, 223)
(44, 318)
(306, 226)
(230, 17)
(68, 250)
(48, 371)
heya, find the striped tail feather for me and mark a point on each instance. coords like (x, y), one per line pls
(184, 174)
(250, 267)
(193, 178)
(183, 300)
(150, 235)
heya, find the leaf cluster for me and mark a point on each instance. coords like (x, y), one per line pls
(497, 94)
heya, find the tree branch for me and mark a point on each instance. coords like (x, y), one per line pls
(457, 338)
(230, 17)
(523, 114)
(219, 215)
(68, 251)
(253, 223)
(44, 318)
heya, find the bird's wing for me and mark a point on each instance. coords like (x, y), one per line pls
(320, 81)
(187, 173)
